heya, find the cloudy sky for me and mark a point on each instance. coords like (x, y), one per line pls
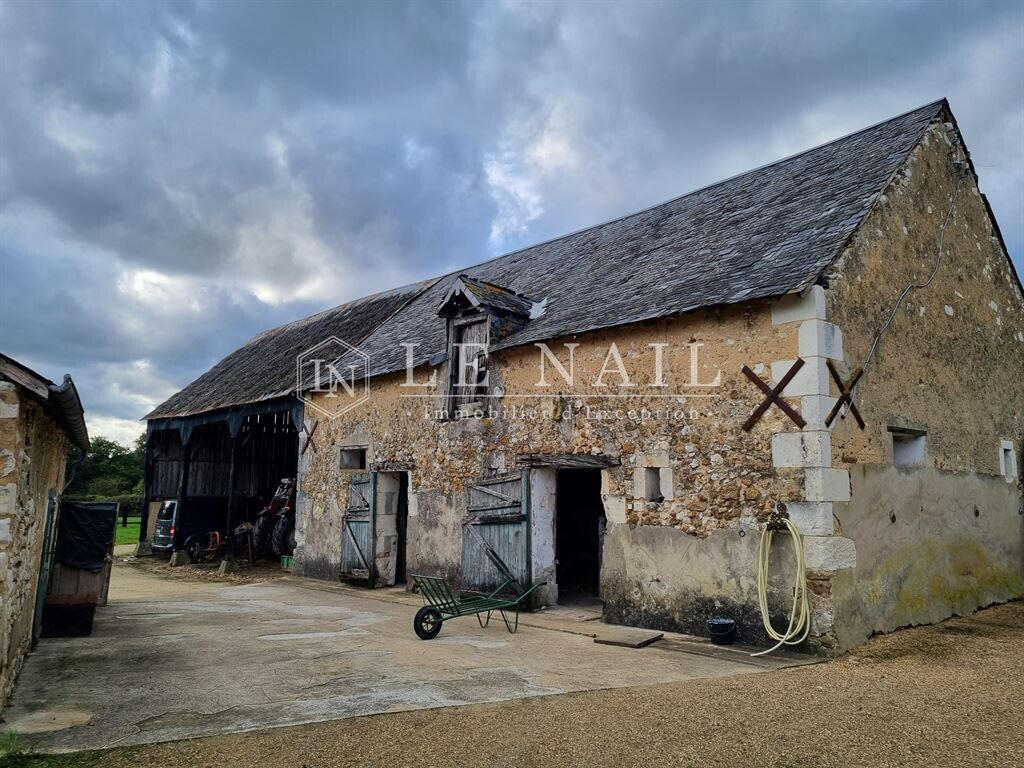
(177, 176)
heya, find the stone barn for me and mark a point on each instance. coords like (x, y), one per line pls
(617, 412)
(39, 421)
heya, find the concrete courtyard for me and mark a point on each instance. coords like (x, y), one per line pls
(171, 659)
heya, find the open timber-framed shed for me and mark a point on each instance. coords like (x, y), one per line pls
(222, 444)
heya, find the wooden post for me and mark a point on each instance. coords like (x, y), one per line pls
(186, 461)
(229, 550)
(147, 485)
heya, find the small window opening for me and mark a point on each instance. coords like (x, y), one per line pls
(1009, 460)
(907, 447)
(652, 484)
(353, 458)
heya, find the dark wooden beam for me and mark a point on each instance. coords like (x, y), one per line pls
(773, 396)
(186, 463)
(566, 460)
(229, 549)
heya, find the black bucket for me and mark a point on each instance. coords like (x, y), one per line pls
(722, 630)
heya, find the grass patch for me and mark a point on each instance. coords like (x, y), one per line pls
(14, 754)
(129, 535)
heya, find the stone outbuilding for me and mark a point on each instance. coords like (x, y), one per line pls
(618, 411)
(39, 421)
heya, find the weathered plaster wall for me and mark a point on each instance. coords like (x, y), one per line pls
(665, 579)
(930, 544)
(714, 476)
(32, 453)
(949, 364)
(386, 549)
(543, 507)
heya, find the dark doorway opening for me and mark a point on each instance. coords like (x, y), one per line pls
(579, 529)
(402, 522)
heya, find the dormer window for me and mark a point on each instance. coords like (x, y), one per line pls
(467, 372)
(478, 314)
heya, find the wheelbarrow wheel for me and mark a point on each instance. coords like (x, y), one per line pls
(427, 622)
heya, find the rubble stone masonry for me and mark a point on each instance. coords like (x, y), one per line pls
(945, 536)
(32, 457)
(718, 483)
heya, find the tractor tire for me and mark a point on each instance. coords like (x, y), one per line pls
(427, 622)
(283, 541)
(262, 532)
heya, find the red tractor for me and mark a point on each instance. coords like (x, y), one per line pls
(274, 530)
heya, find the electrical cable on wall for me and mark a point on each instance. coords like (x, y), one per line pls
(960, 169)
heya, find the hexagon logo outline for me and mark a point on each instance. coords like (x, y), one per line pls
(324, 357)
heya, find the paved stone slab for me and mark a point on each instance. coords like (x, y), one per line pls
(169, 659)
(627, 637)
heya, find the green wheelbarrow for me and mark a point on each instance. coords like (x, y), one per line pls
(441, 604)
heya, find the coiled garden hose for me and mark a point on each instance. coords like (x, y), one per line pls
(800, 615)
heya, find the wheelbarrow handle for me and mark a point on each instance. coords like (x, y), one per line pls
(527, 592)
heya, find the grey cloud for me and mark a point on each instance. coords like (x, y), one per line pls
(178, 176)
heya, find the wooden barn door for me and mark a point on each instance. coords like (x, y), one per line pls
(496, 534)
(357, 543)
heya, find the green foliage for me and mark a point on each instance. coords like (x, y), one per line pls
(13, 754)
(111, 472)
(10, 744)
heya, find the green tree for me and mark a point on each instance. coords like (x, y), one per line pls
(110, 469)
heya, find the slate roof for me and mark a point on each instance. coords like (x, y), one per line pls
(264, 368)
(763, 233)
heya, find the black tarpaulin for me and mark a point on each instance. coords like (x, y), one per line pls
(85, 533)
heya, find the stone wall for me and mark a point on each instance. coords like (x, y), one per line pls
(946, 536)
(32, 457)
(717, 482)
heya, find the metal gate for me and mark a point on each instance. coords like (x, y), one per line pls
(358, 530)
(496, 534)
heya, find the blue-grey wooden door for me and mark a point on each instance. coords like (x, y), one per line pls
(495, 534)
(357, 535)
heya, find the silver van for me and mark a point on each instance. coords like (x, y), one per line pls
(166, 520)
